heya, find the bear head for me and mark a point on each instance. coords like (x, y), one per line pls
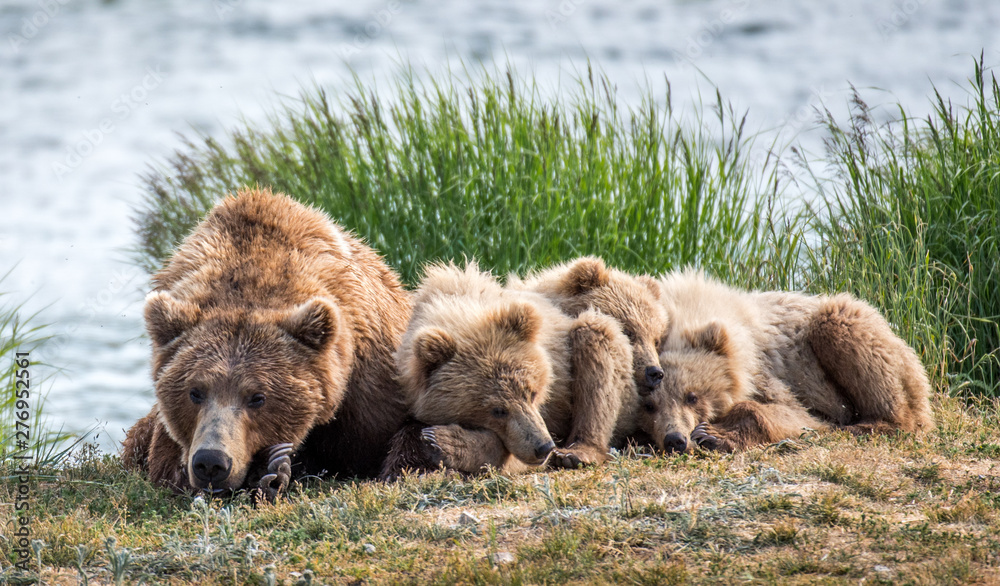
(482, 368)
(233, 382)
(633, 301)
(701, 382)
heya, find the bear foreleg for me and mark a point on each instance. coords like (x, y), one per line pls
(601, 360)
(139, 440)
(749, 424)
(167, 464)
(421, 448)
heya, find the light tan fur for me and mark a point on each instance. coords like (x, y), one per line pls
(267, 322)
(745, 368)
(587, 284)
(496, 376)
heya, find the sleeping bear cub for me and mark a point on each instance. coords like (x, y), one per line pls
(746, 368)
(501, 378)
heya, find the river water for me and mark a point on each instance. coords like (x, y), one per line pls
(94, 91)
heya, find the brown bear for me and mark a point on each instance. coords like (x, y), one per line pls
(272, 330)
(634, 301)
(498, 377)
(746, 368)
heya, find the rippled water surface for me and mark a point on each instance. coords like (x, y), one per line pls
(92, 92)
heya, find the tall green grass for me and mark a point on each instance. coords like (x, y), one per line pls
(19, 334)
(491, 166)
(496, 169)
(912, 221)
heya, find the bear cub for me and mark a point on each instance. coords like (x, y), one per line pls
(745, 368)
(587, 284)
(502, 378)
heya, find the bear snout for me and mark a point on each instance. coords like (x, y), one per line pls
(674, 442)
(654, 374)
(542, 451)
(211, 467)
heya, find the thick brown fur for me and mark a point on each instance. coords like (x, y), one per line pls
(633, 301)
(270, 325)
(746, 368)
(498, 377)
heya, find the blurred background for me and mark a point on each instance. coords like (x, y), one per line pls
(94, 92)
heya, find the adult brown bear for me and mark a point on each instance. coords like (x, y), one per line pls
(272, 330)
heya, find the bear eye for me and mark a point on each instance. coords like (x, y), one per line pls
(256, 401)
(691, 398)
(629, 334)
(649, 406)
(197, 396)
(499, 412)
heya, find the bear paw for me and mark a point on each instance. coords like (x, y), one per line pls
(577, 456)
(457, 448)
(709, 438)
(432, 451)
(279, 472)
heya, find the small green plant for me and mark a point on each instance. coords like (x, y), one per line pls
(926, 474)
(781, 533)
(118, 560)
(37, 545)
(826, 508)
(82, 551)
(620, 486)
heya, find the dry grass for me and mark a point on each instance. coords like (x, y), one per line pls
(821, 509)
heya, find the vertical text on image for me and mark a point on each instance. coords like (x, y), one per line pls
(22, 456)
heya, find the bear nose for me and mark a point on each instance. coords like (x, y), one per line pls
(654, 374)
(674, 442)
(542, 451)
(211, 465)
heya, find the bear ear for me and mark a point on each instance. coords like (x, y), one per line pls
(650, 283)
(167, 318)
(520, 319)
(712, 338)
(433, 347)
(586, 274)
(313, 323)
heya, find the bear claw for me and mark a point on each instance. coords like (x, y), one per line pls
(574, 456)
(433, 451)
(703, 438)
(429, 437)
(560, 459)
(279, 469)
